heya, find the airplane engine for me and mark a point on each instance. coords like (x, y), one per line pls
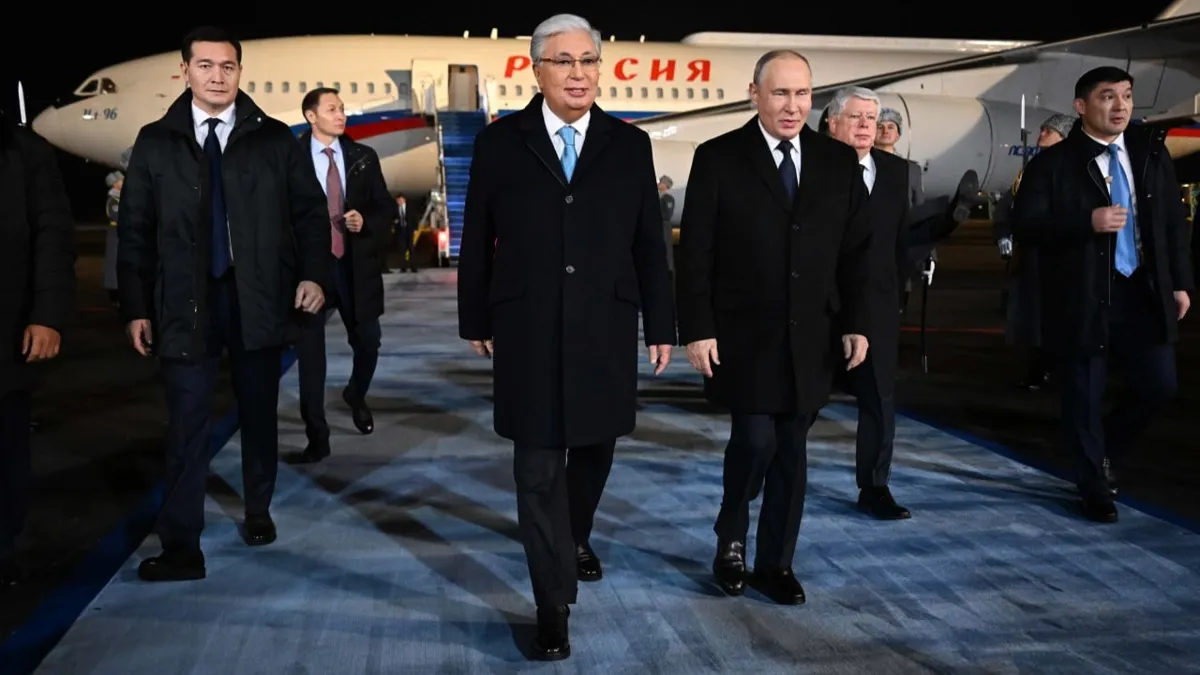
(947, 136)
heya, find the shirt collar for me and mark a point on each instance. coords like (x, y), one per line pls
(200, 118)
(553, 123)
(1119, 142)
(318, 147)
(869, 162)
(773, 142)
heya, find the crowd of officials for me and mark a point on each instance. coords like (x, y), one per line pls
(234, 238)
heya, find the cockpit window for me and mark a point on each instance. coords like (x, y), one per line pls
(89, 88)
(108, 86)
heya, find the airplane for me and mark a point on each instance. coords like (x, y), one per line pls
(418, 101)
(968, 113)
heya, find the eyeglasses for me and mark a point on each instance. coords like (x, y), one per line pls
(588, 63)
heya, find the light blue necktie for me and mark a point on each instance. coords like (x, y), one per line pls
(568, 156)
(1126, 258)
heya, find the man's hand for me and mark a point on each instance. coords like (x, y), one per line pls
(138, 332)
(855, 349)
(309, 297)
(1109, 219)
(1006, 247)
(1183, 302)
(40, 343)
(354, 221)
(702, 354)
(483, 347)
(660, 355)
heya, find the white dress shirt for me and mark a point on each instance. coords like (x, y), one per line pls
(200, 122)
(869, 172)
(773, 143)
(321, 163)
(554, 124)
(200, 126)
(1103, 163)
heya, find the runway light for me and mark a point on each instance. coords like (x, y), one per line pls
(466, 33)
(642, 38)
(495, 33)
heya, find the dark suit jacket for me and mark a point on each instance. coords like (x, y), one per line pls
(367, 193)
(37, 251)
(1059, 189)
(887, 209)
(765, 276)
(553, 271)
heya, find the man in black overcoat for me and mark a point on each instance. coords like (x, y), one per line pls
(1103, 209)
(761, 320)
(853, 118)
(37, 298)
(562, 243)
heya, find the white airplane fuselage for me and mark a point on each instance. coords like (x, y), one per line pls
(953, 121)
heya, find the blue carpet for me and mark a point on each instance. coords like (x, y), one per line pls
(399, 553)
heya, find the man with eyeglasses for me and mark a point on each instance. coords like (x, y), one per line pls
(562, 242)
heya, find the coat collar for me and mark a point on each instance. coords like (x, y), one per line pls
(533, 127)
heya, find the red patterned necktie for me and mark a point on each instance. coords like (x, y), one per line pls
(333, 194)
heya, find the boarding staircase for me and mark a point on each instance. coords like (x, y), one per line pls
(458, 130)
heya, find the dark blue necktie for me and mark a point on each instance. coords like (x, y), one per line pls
(220, 219)
(787, 169)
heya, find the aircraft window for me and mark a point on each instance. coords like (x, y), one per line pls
(89, 87)
(704, 93)
(266, 87)
(319, 84)
(251, 87)
(370, 87)
(284, 86)
(629, 92)
(303, 87)
(720, 94)
(612, 91)
(387, 88)
(534, 89)
(518, 90)
(658, 92)
(107, 86)
(503, 90)
(353, 87)
(337, 86)
(674, 92)
(645, 92)
(691, 93)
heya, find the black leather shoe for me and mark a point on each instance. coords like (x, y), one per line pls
(729, 567)
(258, 530)
(779, 585)
(1100, 509)
(1110, 476)
(553, 642)
(314, 452)
(173, 565)
(364, 421)
(589, 564)
(879, 503)
(966, 197)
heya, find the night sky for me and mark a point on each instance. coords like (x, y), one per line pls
(52, 62)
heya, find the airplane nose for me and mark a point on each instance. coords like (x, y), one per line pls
(45, 124)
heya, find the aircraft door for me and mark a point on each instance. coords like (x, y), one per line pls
(464, 87)
(430, 91)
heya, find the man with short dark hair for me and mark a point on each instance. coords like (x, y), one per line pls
(1103, 209)
(223, 237)
(771, 307)
(360, 213)
(37, 297)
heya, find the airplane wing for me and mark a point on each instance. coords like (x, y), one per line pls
(1173, 38)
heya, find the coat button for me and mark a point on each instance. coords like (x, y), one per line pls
(795, 275)
(795, 226)
(570, 199)
(570, 269)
